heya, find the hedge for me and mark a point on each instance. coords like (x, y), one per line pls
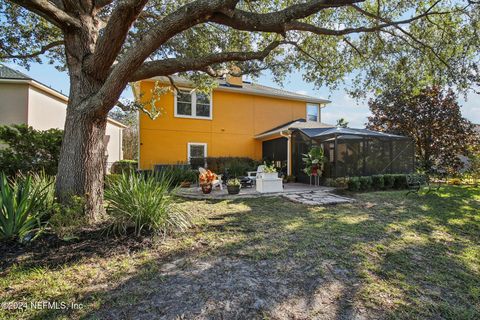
(121, 166)
(382, 182)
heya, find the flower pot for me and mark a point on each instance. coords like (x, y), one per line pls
(206, 188)
(269, 175)
(233, 189)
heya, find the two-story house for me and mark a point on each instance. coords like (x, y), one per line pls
(244, 119)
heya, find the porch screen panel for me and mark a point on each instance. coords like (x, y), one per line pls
(300, 145)
(403, 156)
(350, 157)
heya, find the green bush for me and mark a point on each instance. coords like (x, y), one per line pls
(124, 166)
(178, 174)
(138, 203)
(365, 183)
(111, 178)
(400, 181)
(388, 181)
(353, 184)
(25, 203)
(27, 150)
(236, 166)
(378, 182)
(68, 219)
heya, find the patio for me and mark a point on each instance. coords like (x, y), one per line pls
(296, 192)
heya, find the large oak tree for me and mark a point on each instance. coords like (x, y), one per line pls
(105, 44)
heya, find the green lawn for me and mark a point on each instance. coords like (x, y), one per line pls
(385, 256)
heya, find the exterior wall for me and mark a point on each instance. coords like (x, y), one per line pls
(114, 147)
(23, 103)
(45, 111)
(13, 103)
(237, 118)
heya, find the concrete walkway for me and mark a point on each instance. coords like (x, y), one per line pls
(296, 192)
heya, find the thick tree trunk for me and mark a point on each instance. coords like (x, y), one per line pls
(81, 166)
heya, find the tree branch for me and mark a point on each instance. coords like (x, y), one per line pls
(182, 19)
(42, 50)
(274, 21)
(410, 35)
(50, 12)
(173, 65)
(111, 41)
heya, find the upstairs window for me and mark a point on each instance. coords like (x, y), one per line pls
(192, 104)
(313, 112)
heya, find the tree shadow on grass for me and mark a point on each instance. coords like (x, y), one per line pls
(279, 260)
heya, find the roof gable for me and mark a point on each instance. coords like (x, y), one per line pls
(9, 73)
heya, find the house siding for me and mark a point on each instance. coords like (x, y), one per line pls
(237, 118)
(13, 99)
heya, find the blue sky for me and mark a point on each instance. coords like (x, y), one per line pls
(342, 106)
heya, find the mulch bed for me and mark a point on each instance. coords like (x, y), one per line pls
(50, 251)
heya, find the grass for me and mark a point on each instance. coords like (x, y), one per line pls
(400, 257)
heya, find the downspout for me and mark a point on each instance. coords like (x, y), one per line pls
(289, 150)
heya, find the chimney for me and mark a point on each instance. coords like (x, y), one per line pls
(234, 81)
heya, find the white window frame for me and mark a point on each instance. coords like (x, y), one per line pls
(205, 146)
(193, 93)
(318, 111)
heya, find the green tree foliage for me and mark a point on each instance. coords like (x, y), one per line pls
(28, 150)
(342, 123)
(432, 118)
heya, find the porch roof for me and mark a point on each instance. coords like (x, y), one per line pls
(338, 132)
(292, 125)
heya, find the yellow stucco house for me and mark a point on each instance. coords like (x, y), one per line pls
(236, 120)
(244, 119)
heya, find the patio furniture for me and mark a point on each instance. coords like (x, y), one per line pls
(215, 183)
(254, 175)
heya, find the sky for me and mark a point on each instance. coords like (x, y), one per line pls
(342, 106)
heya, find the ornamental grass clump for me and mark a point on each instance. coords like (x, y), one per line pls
(25, 203)
(139, 203)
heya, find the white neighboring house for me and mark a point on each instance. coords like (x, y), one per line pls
(26, 101)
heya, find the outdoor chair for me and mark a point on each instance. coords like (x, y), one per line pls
(254, 175)
(215, 183)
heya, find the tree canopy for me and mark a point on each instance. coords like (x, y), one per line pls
(432, 118)
(416, 42)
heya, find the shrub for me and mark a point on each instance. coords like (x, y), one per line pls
(68, 219)
(378, 182)
(144, 203)
(353, 184)
(29, 150)
(365, 183)
(124, 166)
(341, 182)
(388, 181)
(24, 205)
(111, 178)
(235, 166)
(178, 174)
(400, 181)
(329, 182)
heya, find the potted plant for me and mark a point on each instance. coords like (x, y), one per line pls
(269, 172)
(205, 180)
(313, 161)
(233, 186)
